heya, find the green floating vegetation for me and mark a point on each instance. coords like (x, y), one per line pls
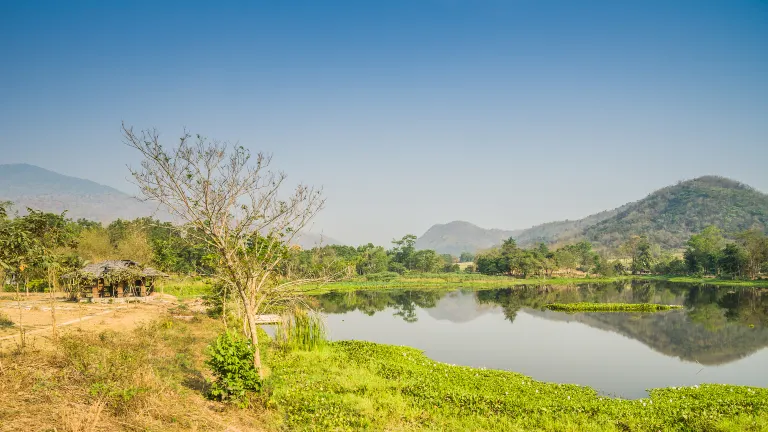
(355, 385)
(610, 307)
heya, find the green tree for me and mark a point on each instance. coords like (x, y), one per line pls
(734, 259)
(371, 259)
(703, 251)
(403, 250)
(755, 244)
(427, 261)
(466, 257)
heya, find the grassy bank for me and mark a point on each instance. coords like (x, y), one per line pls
(610, 307)
(761, 283)
(154, 379)
(451, 280)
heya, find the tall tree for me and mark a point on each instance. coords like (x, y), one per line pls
(702, 253)
(236, 208)
(755, 244)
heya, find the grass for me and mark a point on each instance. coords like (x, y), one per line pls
(153, 378)
(610, 307)
(301, 330)
(450, 280)
(353, 385)
(184, 287)
(5, 321)
(760, 283)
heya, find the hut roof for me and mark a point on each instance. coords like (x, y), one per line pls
(105, 269)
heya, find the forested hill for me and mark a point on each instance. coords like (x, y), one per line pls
(667, 216)
(670, 215)
(552, 232)
(459, 236)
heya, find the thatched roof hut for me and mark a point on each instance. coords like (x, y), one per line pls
(114, 271)
(117, 275)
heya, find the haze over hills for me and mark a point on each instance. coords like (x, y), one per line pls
(40, 189)
(667, 216)
(459, 236)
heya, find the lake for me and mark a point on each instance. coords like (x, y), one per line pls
(720, 337)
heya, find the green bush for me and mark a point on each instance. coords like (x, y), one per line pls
(231, 362)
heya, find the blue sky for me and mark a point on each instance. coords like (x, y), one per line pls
(409, 113)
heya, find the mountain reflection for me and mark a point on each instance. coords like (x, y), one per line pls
(719, 324)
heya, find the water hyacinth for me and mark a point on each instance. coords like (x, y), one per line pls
(610, 307)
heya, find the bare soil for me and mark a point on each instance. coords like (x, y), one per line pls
(33, 313)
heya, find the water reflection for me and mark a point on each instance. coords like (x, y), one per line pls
(717, 338)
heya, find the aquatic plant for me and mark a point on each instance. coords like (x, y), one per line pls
(301, 330)
(610, 307)
(356, 385)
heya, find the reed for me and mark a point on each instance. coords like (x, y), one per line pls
(301, 330)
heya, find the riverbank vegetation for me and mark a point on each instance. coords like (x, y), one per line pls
(610, 307)
(155, 378)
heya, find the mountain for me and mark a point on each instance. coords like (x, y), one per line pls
(551, 232)
(667, 216)
(459, 236)
(670, 215)
(308, 240)
(40, 189)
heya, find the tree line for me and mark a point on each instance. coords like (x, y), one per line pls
(708, 253)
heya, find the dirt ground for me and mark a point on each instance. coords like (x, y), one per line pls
(36, 317)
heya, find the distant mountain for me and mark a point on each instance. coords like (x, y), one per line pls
(308, 240)
(459, 236)
(552, 232)
(670, 215)
(40, 189)
(667, 216)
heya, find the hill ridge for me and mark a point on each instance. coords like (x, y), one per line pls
(668, 215)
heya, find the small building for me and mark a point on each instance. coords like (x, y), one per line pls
(115, 278)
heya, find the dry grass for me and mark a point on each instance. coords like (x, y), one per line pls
(150, 378)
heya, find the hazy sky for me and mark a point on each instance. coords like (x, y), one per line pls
(409, 113)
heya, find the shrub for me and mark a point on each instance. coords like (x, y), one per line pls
(5, 321)
(231, 362)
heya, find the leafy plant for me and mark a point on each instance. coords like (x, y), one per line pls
(231, 362)
(301, 330)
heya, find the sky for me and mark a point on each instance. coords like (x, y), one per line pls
(506, 114)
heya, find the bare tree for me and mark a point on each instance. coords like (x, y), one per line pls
(235, 206)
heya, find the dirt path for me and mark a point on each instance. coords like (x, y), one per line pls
(37, 320)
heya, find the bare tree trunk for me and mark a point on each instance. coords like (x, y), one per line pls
(26, 285)
(250, 318)
(21, 320)
(52, 284)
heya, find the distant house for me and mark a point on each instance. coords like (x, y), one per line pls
(115, 278)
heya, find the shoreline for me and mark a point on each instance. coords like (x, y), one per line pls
(448, 281)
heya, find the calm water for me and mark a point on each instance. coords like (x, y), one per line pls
(720, 337)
